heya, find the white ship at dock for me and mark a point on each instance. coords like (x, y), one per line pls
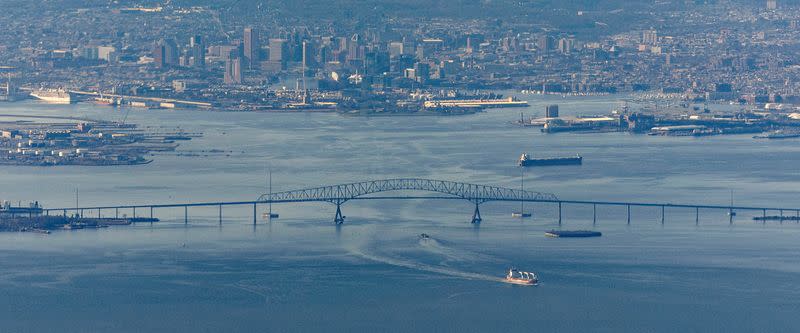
(53, 96)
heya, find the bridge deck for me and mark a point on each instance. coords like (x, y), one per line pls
(441, 190)
(582, 202)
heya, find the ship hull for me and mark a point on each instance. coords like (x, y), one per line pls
(572, 234)
(551, 161)
(54, 97)
(522, 282)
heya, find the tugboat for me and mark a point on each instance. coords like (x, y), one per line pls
(515, 276)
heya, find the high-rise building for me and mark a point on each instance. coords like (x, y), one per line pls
(565, 45)
(197, 49)
(107, 53)
(354, 48)
(396, 49)
(233, 71)
(772, 4)
(650, 37)
(278, 50)
(546, 43)
(422, 72)
(171, 53)
(158, 55)
(251, 46)
(308, 60)
(196, 40)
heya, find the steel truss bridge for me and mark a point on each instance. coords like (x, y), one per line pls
(443, 190)
(339, 194)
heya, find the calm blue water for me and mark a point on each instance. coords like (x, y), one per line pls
(301, 273)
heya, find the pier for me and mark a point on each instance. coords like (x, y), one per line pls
(476, 194)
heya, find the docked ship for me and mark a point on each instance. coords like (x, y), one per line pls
(7, 210)
(479, 103)
(515, 276)
(526, 160)
(105, 100)
(53, 96)
(779, 134)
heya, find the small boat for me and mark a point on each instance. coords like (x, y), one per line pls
(520, 214)
(269, 216)
(424, 236)
(515, 276)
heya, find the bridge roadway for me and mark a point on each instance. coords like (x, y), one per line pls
(476, 194)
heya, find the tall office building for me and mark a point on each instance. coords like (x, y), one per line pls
(233, 71)
(251, 46)
(396, 49)
(565, 45)
(422, 72)
(354, 50)
(278, 50)
(650, 37)
(308, 60)
(546, 43)
(197, 49)
(167, 53)
(158, 55)
(772, 4)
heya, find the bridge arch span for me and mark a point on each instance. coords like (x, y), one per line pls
(341, 193)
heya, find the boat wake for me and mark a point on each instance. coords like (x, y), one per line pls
(449, 254)
(432, 246)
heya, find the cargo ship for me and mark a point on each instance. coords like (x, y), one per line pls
(53, 96)
(572, 233)
(526, 160)
(481, 103)
(776, 218)
(778, 135)
(515, 276)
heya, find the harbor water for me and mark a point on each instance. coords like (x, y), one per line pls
(374, 273)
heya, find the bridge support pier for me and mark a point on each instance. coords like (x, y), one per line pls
(220, 214)
(662, 214)
(629, 214)
(339, 218)
(185, 215)
(116, 213)
(764, 215)
(255, 214)
(697, 216)
(559, 213)
(98, 213)
(476, 216)
(730, 216)
(594, 214)
(134, 212)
